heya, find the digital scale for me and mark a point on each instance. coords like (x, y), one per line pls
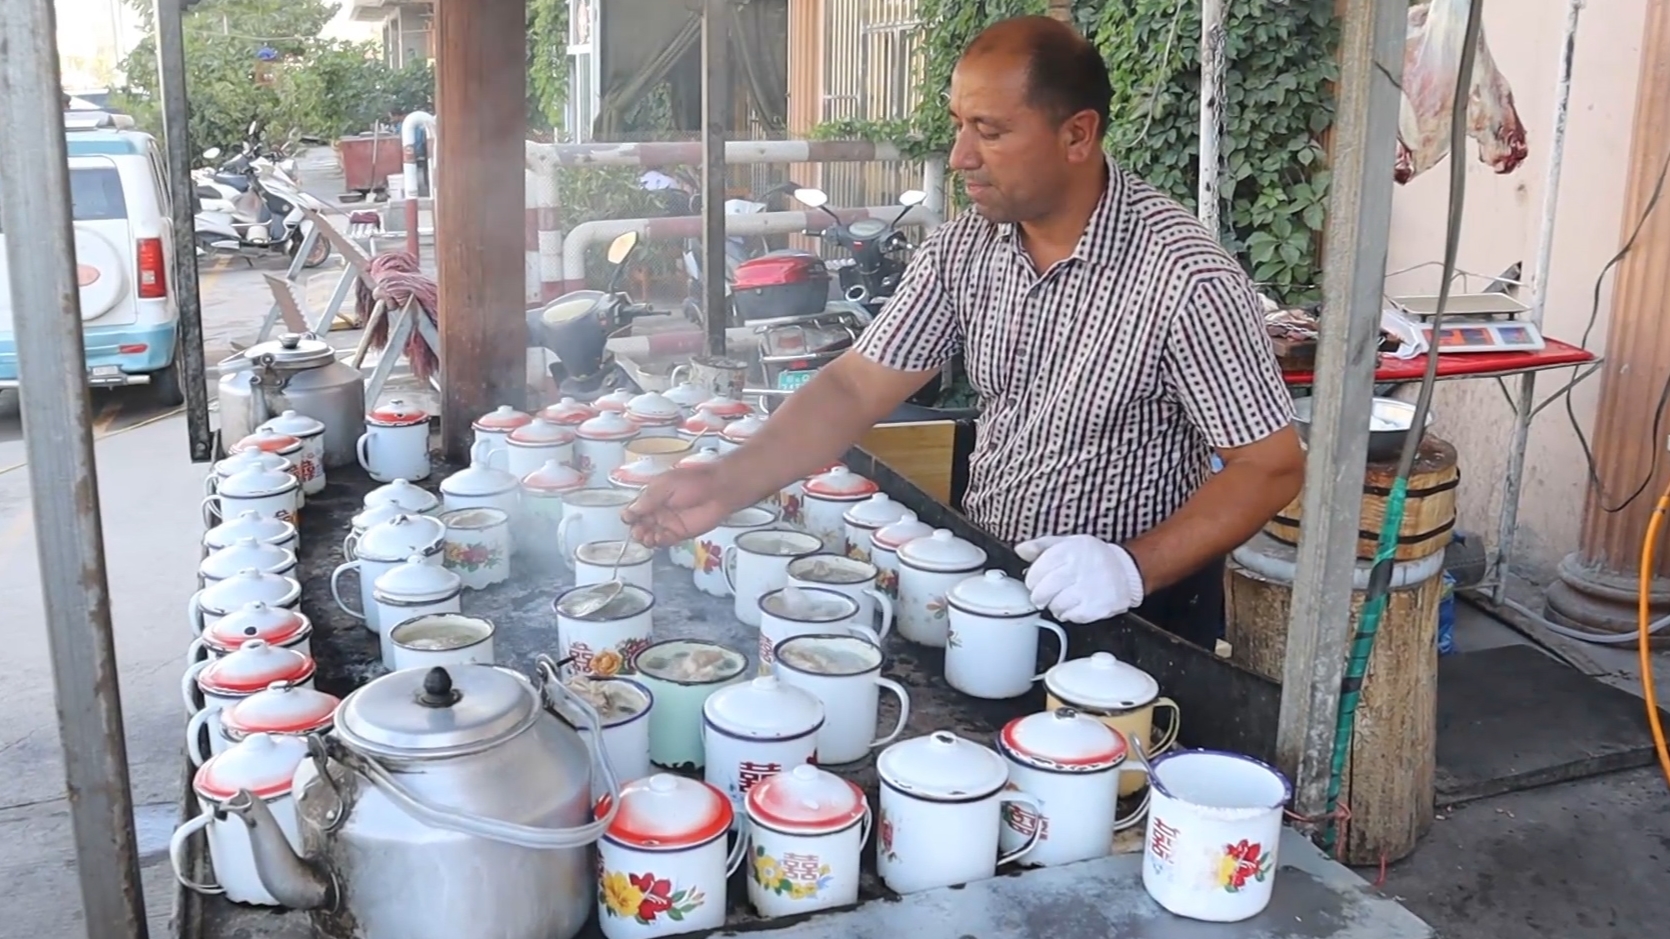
(1477, 322)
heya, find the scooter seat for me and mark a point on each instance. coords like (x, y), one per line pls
(237, 181)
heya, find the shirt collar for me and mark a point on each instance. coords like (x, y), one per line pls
(1100, 230)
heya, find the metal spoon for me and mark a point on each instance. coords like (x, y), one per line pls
(608, 590)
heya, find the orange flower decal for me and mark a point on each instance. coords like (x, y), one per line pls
(708, 556)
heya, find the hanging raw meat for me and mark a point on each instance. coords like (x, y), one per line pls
(1431, 62)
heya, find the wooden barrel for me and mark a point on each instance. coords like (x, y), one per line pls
(1428, 508)
(1389, 780)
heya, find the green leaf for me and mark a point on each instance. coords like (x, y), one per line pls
(1314, 216)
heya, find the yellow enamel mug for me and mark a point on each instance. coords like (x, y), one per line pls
(1121, 696)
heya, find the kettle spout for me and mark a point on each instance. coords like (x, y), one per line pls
(292, 881)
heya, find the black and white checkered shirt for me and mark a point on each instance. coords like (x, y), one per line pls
(1104, 383)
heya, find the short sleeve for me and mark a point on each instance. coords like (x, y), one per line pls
(917, 331)
(1221, 366)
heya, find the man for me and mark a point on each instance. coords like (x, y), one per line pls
(1113, 344)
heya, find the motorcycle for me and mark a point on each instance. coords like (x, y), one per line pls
(877, 251)
(576, 328)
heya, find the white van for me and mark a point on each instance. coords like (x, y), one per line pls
(124, 252)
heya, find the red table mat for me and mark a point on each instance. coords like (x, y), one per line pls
(1470, 364)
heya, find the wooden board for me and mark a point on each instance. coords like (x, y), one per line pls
(924, 453)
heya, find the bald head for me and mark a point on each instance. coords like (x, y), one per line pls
(1065, 75)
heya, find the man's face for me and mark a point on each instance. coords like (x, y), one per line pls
(1013, 158)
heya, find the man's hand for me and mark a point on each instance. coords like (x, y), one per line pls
(1081, 579)
(679, 504)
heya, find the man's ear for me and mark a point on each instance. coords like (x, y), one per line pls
(1082, 135)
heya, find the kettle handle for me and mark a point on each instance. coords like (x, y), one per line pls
(524, 836)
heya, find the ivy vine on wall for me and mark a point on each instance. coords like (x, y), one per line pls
(1278, 102)
(547, 26)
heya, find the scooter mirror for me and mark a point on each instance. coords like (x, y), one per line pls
(211, 153)
(912, 197)
(622, 246)
(811, 198)
(253, 127)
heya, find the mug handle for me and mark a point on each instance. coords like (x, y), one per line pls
(362, 448)
(198, 651)
(563, 551)
(885, 605)
(211, 484)
(189, 690)
(1061, 639)
(1137, 814)
(739, 851)
(208, 500)
(177, 854)
(898, 691)
(1137, 761)
(194, 614)
(727, 566)
(673, 376)
(194, 733)
(336, 587)
(494, 454)
(1170, 736)
(864, 632)
(1022, 798)
(348, 542)
(864, 826)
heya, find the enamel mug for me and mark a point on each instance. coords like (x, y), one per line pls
(245, 553)
(992, 643)
(269, 493)
(663, 863)
(404, 495)
(757, 562)
(942, 799)
(494, 427)
(478, 546)
(1119, 695)
(663, 451)
(276, 626)
(756, 729)
(280, 709)
(866, 518)
(273, 531)
(827, 497)
(482, 484)
(615, 402)
(218, 684)
(884, 550)
(412, 589)
(683, 553)
(383, 547)
(530, 446)
(267, 440)
(568, 412)
(681, 674)
(240, 461)
(687, 395)
(1214, 823)
(440, 639)
(738, 432)
(221, 598)
(395, 444)
(604, 641)
(263, 766)
(542, 508)
(655, 414)
(310, 462)
(794, 611)
(850, 576)
(363, 522)
(806, 833)
(710, 575)
(1070, 763)
(702, 427)
(792, 498)
(928, 569)
(844, 673)
(598, 562)
(600, 446)
(623, 708)
(590, 515)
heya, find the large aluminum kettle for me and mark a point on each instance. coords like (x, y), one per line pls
(446, 802)
(299, 372)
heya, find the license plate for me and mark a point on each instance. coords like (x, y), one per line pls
(105, 371)
(793, 381)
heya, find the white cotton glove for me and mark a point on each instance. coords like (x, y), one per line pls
(1081, 579)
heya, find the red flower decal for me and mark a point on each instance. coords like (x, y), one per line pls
(657, 895)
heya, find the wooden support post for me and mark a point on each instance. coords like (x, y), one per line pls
(716, 122)
(480, 97)
(1359, 226)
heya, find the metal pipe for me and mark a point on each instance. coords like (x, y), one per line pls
(689, 226)
(409, 127)
(651, 155)
(716, 122)
(63, 483)
(171, 64)
(1524, 407)
(1212, 39)
(933, 183)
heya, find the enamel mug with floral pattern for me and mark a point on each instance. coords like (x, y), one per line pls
(942, 800)
(792, 498)
(710, 575)
(655, 414)
(884, 550)
(311, 433)
(218, 684)
(844, 673)
(384, 546)
(827, 498)
(756, 729)
(267, 440)
(281, 709)
(663, 863)
(1070, 762)
(395, 444)
(865, 518)
(598, 562)
(928, 569)
(265, 492)
(757, 562)
(682, 673)
(415, 588)
(602, 641)
(683, 553)
(478, 546)
(1214, 824)
(590, 515)
(494, 427)
(857, 579)
(276, 626)
(806, 833)
(222, 597)
(263, 766)
(992, 644)
(1119, 695)
(266, 530)
(241, 555)
(600, 446)
(803, 611)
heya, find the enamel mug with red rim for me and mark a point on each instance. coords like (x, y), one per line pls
(529, 447)
(687, 395)
(709, 573)
(636, 474)
(395, 444)
(600, 446)
(568, 412)
(844, 673)
(411, 589)
(757, 562)
(884, 550)
(263, 529)
(663, 863)
(753, 730)
(267, 440)
(683, 554)
(280, 709)
(806, 833)
(992, 645)
(264, 766)
(276, 626)
(311, 433)
(738, 432)
(701, 426)
(244, 554)
(242, 460)
(867, 517)
(942, 799)
(792, 498)
(725, 407)
(265, 492)
(1071, 763)
(542, 492)
(495, 426)
(655, 414)
(928, 569)
(247, 586)
(615, 402)
(803, 611)
(827, 498)
(850, 576)
(217, 684)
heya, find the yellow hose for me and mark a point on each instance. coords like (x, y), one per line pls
(1643, 622)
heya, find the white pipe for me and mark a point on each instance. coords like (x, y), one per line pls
(933, 183)
(409, 170)
(1212, 38)
(764, 223)
(689, 153)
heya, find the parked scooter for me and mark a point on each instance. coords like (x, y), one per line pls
(576, 327)
(877, 251)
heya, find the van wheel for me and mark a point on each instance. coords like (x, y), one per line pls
(165, 384)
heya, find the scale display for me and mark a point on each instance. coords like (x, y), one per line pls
(1484, 336)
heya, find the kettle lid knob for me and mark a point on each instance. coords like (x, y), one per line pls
(290, 340)
(437, 689)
